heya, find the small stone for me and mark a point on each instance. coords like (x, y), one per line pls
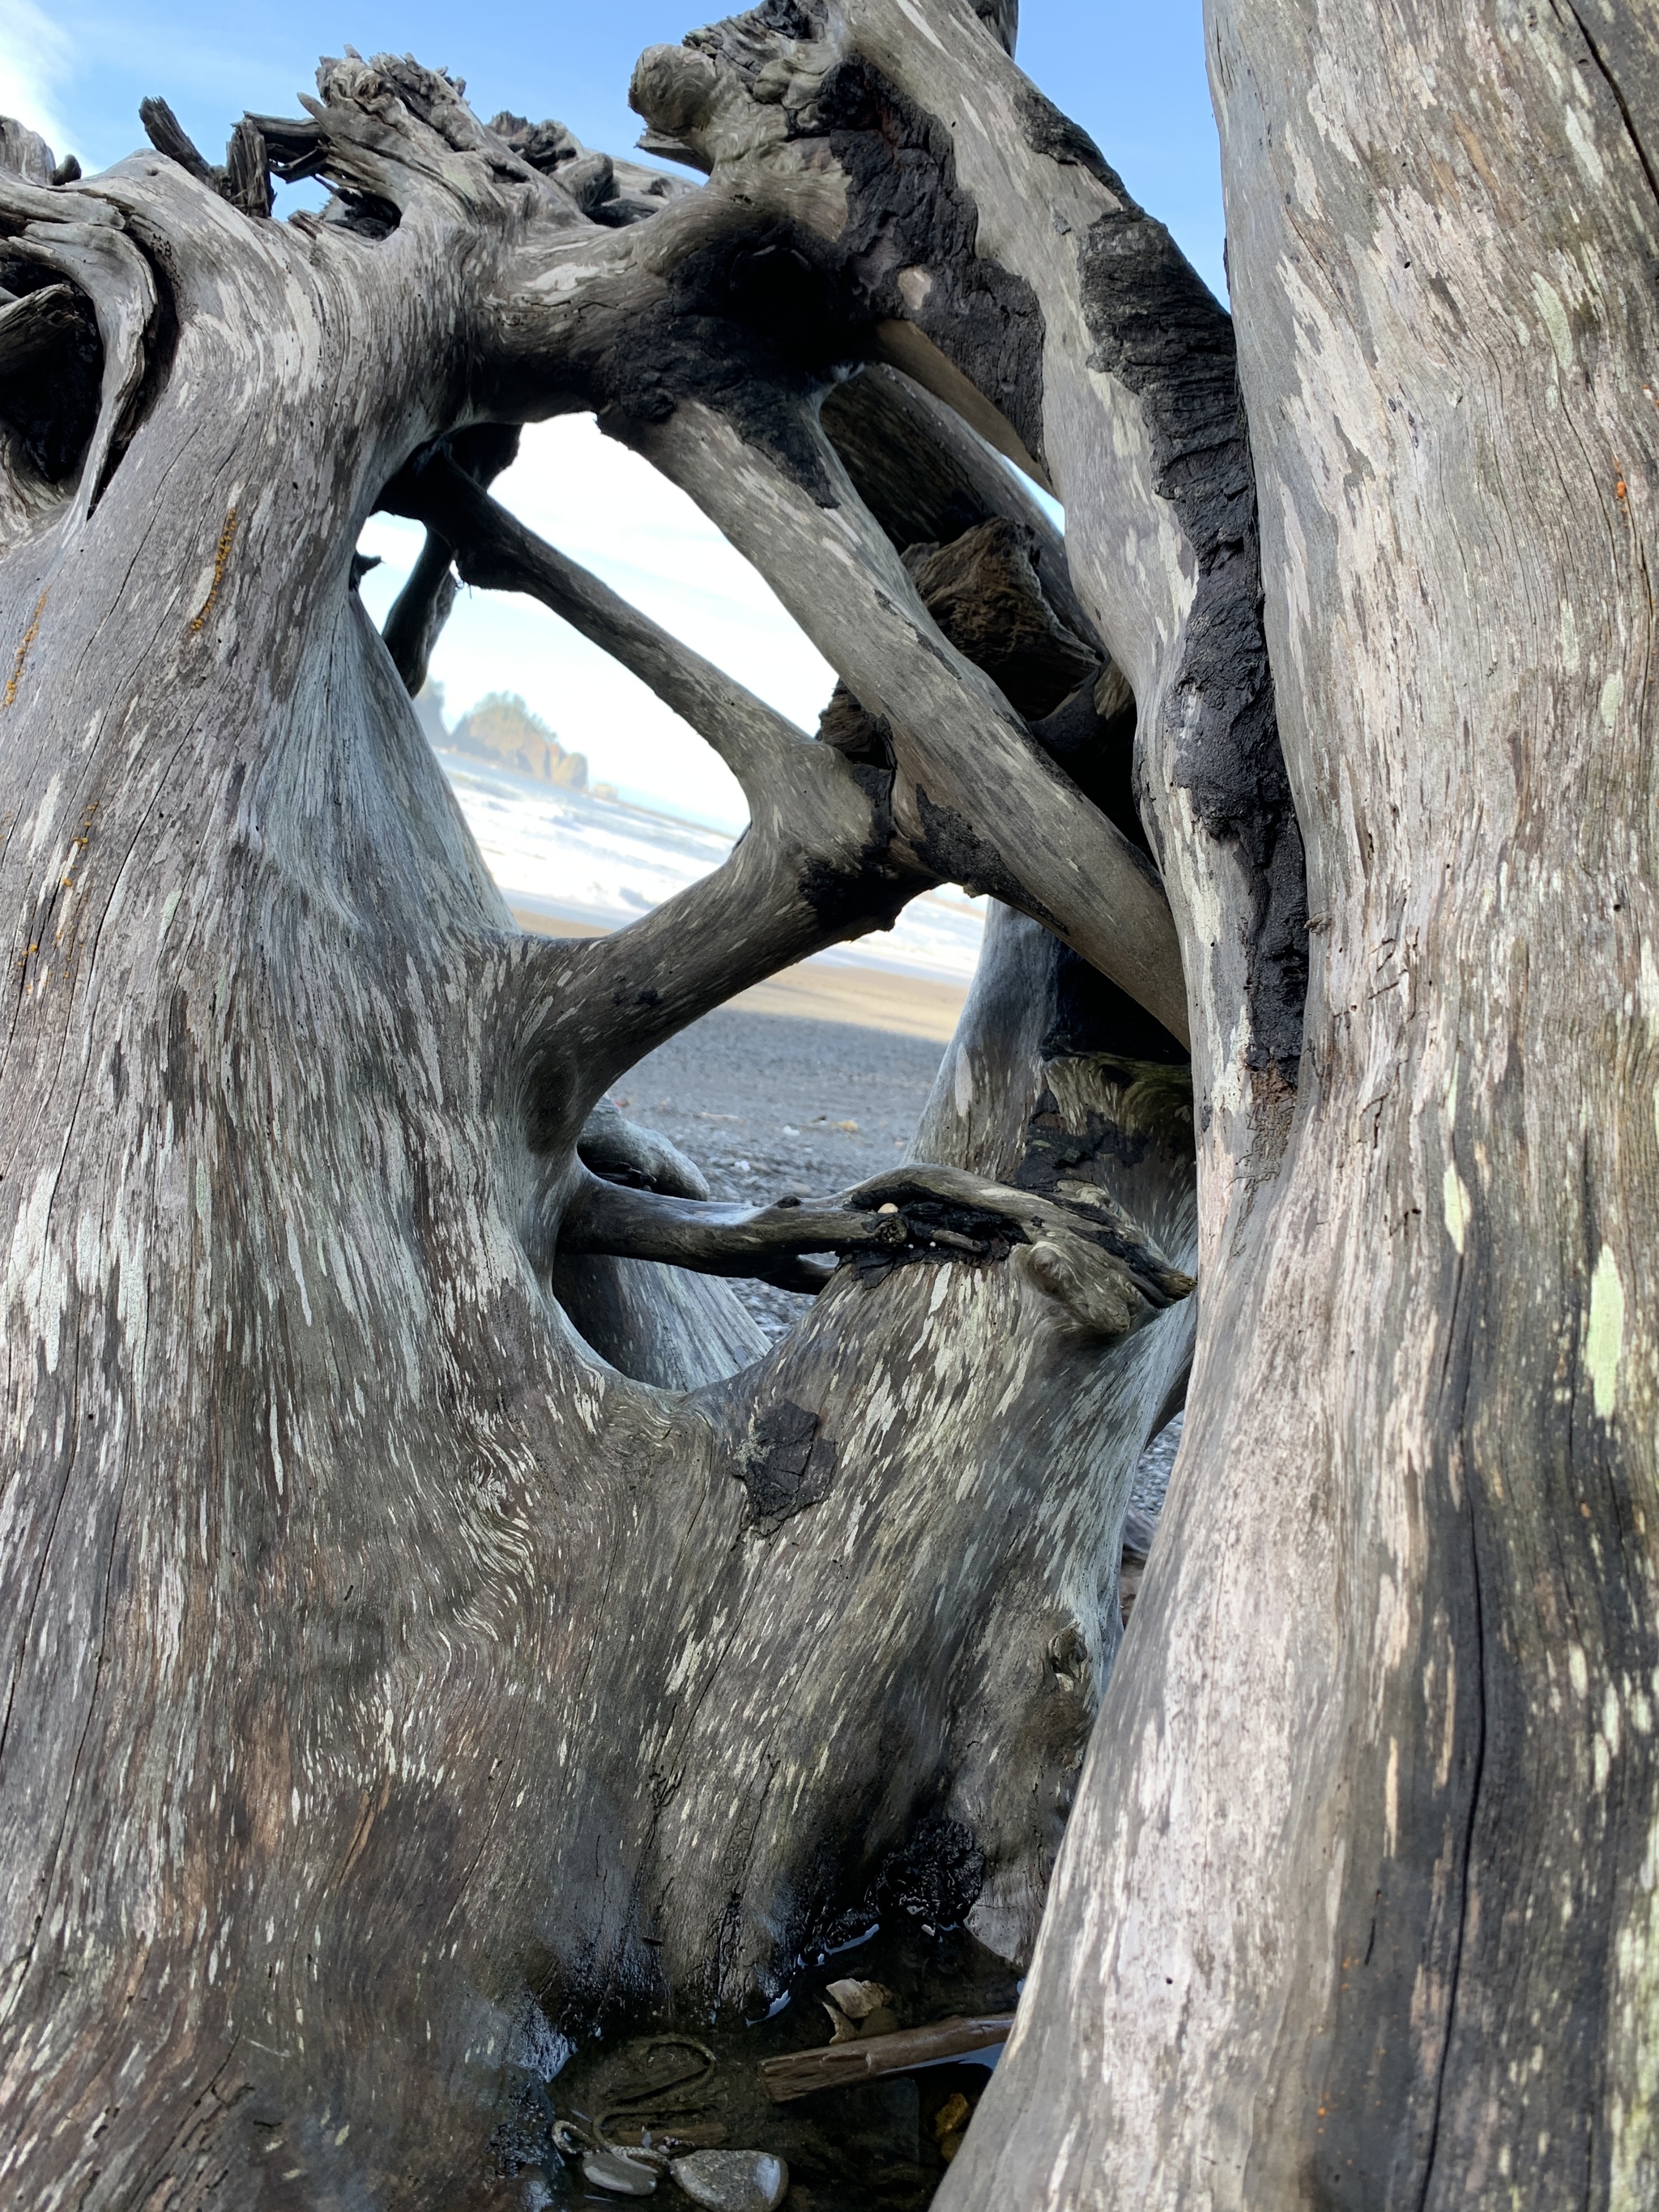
(858, 2000)
(952, 2116)
(623, 2177)
(732, 2181)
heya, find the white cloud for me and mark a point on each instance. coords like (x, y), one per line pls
(34, 61)
(609, 509)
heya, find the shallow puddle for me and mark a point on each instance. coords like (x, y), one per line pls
(880, 2146)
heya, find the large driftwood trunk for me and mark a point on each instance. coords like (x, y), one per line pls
(386, 1656)
(425, 1600)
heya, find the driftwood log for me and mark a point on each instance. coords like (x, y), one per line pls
(430, 1613)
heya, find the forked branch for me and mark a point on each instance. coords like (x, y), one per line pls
(420, 610)
(1046, 849)
(592, 1010)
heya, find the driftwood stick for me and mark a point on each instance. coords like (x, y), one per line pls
(717, 1239)
(844, 2065)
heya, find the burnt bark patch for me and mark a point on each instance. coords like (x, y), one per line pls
(907, 211)
(939, 1229)
(957, 852)
(1049, 131)
(755, 327)
(1057, 1154)
(785, 1465)
(1156, 328)
(874, 892)
(935, 1875)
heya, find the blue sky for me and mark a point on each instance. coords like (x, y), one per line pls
(1132, 75)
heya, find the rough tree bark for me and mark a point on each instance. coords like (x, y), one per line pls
(424, 1601)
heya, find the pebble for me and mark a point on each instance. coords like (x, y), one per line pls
(623, 2177)
(952, 2116)
(732, 2181)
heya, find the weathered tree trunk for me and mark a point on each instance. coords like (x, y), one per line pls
(424, 1598)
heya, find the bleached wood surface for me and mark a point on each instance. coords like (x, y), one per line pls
(384, 1651)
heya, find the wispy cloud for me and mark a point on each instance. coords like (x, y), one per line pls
(34, 61)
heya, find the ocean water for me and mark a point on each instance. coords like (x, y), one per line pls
(606, 862)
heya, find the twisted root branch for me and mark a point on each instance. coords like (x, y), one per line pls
(1095, 1265)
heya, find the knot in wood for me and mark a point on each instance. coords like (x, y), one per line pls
(1068, 1655)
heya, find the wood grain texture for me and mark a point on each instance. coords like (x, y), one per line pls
(388, 1670)
(420, 1628)
(843, 2065)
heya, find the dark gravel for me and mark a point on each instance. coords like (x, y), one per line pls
(1152, 1475)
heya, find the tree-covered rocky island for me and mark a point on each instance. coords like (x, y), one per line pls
(439, 1632)
(501, 730)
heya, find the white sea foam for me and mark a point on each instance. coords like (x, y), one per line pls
(602, 861)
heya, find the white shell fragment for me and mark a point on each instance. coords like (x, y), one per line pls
(858, 2000)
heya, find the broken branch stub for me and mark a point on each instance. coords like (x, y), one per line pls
(1088, 1260)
